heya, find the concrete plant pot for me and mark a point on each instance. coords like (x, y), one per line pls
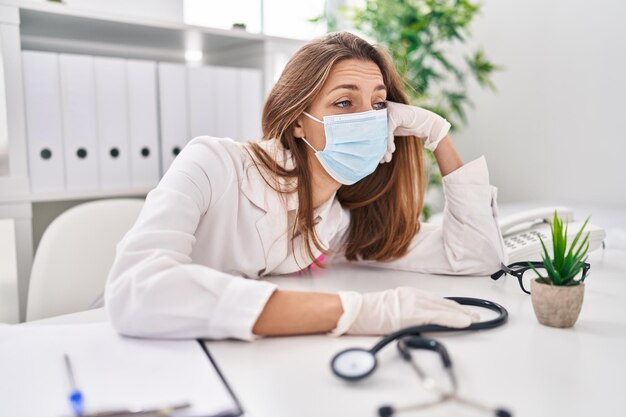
(556, 306)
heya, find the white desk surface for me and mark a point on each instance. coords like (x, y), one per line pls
(528, 368)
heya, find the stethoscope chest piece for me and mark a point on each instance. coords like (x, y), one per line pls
(353, 364)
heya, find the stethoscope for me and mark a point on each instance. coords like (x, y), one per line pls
(357, 363)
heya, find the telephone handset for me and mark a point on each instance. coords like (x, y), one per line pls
(520, 232)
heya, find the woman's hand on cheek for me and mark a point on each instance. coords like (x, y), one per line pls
(406, 120)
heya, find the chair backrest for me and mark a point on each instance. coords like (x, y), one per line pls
(75, 254)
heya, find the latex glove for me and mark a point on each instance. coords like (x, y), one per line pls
(406, 120)
(380, 313)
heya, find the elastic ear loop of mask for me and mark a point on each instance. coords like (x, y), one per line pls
(303, 138)
(313, 117)
(307, 142)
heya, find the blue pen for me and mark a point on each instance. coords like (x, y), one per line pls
(76, 397)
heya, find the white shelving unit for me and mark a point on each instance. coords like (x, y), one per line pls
(57, 28)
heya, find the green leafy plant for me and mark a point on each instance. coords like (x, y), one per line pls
(423, 38)
(427, 40)
(564, 266)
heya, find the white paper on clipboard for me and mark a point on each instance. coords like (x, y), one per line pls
(112, 372)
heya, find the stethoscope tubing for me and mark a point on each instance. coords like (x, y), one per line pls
(503, 316)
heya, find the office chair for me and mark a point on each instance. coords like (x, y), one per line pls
(75, 254)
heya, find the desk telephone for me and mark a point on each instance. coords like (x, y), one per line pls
(520, 232)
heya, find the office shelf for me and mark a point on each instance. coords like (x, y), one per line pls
(73, 32)
(72, 195)
(44, 26)
(89, 195)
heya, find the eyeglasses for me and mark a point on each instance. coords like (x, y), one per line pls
(525, 274)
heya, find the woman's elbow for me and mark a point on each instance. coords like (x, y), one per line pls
(485, 261)
(489, 263)
(128, 312)
(122, 312)
(484, 249)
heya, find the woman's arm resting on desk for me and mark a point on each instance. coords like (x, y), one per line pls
(290, 313)
(349, 312)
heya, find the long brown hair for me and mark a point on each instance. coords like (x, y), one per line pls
(385, 206)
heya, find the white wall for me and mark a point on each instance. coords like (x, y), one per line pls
(555, 131)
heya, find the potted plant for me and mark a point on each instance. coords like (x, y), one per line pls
(557, 297)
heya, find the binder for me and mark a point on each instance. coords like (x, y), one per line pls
(143, 123)
(172, 111)
(43, 121)
(110, 75)
(225, 102)
(202, 101)
(78, 103)
(250, 104)
(226, 82)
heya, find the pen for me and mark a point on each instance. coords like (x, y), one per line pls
(76, 397)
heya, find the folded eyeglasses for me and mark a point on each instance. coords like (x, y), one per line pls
(524, 272)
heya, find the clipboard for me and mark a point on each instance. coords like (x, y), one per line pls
(239, 410)
(112, 371)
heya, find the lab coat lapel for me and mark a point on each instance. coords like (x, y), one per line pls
(273, 225)
(330, 216)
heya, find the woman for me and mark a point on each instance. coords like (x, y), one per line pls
(339, 172)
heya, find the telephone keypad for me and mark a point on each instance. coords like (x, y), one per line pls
(523, 239)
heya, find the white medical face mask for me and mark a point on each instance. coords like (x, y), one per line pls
(355, 144)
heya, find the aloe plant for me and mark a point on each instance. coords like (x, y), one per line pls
(564, 265)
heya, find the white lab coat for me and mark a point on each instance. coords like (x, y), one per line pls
(192, 265)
